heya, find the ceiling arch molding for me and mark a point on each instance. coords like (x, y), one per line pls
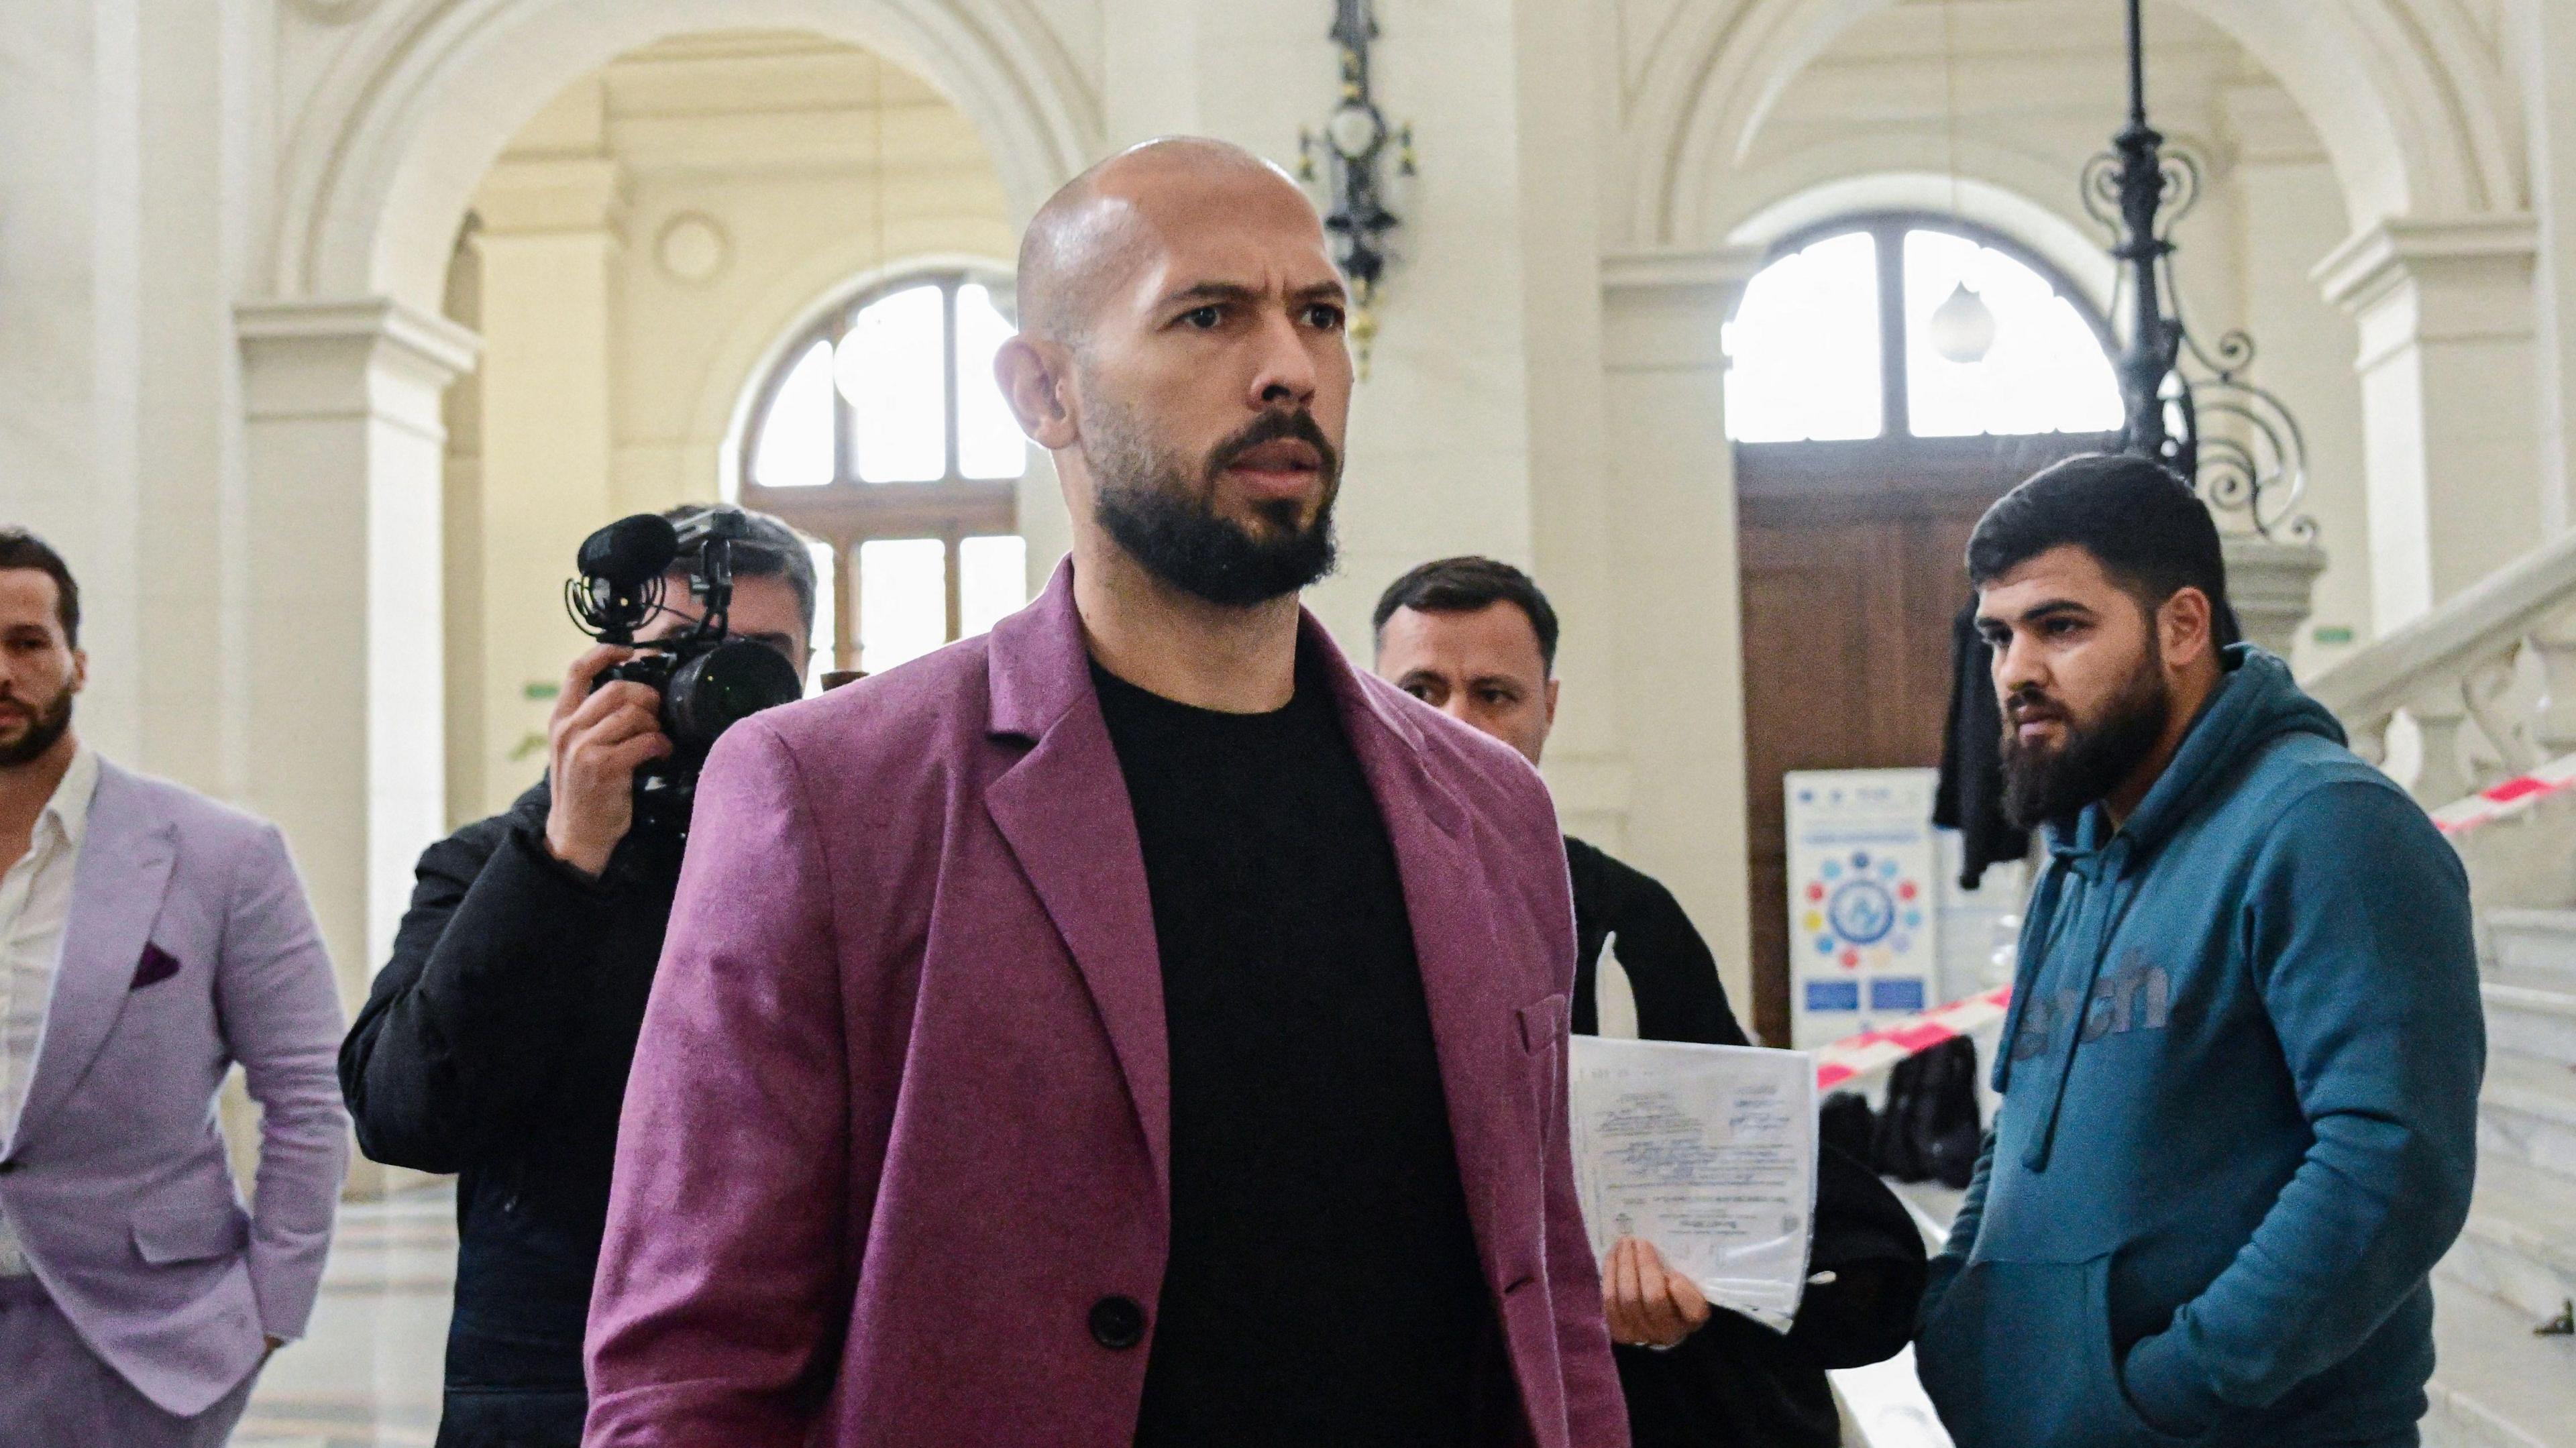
(423, 96)
(2416, 116)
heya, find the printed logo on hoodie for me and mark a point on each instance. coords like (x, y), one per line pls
(2135, 997)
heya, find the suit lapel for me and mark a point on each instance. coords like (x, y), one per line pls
(1064, 812)
(1454, 946)
(117, 888)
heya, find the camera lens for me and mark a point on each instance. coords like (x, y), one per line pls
(723, 686)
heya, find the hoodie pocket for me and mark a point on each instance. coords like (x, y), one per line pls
(2018, 1355)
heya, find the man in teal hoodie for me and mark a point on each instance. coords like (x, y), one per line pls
(2240, 1086)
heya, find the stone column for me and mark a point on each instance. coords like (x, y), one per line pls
(341, 692)
(545, 251)
(2448, 403)
(2545, 45)
(1673, 532)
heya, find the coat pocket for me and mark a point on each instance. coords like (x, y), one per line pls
(2018, 1355)
(1542, 1034)
(168, 1235)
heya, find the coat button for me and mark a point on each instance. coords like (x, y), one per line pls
(1117, 1323)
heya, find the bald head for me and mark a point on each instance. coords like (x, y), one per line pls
(1092, 236)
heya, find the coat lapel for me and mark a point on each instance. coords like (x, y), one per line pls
(1473, 1027)
(117, 888)
(1064, 812)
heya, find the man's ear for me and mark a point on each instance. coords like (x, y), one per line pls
(1034, 376)
(2185, 626)
(1552, 682)
(80, 670)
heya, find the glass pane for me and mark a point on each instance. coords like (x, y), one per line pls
(1802, 352)
(903, 600)
(794, 449)
(827, 616)
(889, 368)
(989, 443)
(992, 581)
(2045, 370)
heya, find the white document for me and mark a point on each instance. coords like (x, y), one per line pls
(1708, 1153)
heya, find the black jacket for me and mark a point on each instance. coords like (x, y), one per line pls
(495, 1044)
(1735, 1381)
(1970, 796)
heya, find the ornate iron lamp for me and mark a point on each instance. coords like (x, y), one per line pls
(1353, 143)
(2254, 460)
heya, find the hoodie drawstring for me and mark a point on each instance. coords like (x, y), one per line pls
(2036, 1158)
(2039, 933)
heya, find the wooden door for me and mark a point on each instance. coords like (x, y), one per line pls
(1853, 565)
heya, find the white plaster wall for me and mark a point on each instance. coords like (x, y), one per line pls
(70, 276)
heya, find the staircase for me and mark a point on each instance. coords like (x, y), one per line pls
(2497, 1385)
(2482, 689)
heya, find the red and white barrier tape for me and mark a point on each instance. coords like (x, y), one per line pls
(2509, 798)
(1875, 1050)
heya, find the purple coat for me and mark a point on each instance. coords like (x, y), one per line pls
(189, 947)
(900, 1112)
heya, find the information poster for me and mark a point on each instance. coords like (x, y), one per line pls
(1864, 944)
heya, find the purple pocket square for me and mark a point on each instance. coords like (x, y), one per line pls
(156, 966)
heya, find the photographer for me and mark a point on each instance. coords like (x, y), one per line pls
(496, 1042)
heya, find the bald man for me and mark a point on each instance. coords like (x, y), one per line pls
(1136, 1026)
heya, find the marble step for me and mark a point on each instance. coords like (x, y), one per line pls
(2519, 1246)
(2494, 1384)
(2533, 947)
(2532, 1021)
(2528, 1112)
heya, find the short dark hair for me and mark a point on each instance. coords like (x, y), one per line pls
(773, 550)
(22, 549)
(2136, 516)
(1470, 585)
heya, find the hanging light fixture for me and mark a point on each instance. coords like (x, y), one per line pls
(850, 357)
(1346, 158)
(1963, 327)
(2255, 460)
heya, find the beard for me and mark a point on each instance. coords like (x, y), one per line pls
(2044, 784)
(1168, 522)
(45, 726)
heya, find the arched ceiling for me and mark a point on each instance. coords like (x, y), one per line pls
(424, 94)
(2412, 105)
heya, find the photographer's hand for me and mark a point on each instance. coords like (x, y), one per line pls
(598, 738)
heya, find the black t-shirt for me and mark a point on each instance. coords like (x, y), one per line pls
(1323, 1287)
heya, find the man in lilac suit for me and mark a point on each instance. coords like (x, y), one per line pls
(1135, 1026)
(149, 939)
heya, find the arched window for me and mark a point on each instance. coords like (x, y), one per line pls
(882, 434)
(1888, 377)
(1892, 327)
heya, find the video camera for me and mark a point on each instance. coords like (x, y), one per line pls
(708, 682)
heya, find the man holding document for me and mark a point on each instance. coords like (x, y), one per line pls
(1476, 639)
(1135, 1026)
(2242, 1063)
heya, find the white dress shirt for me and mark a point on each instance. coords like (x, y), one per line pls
(35, 905)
